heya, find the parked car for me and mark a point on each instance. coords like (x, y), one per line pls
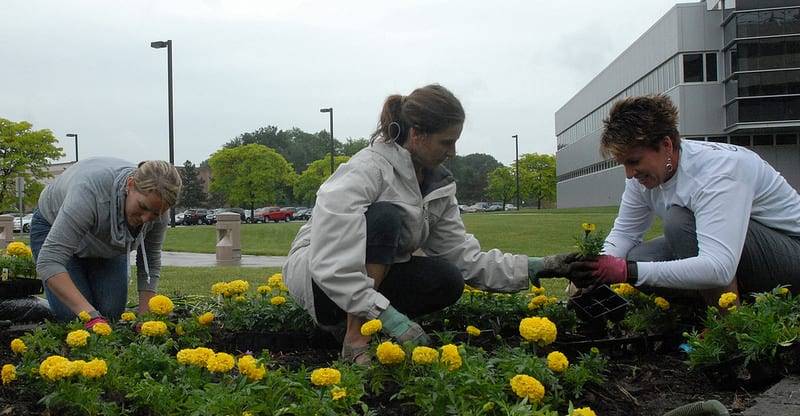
(194, 216)
(290, 211)
(494, 207)
(179, 218)
(511, 207)
(275, 214)
(25, 225)
(303, 214)
(211, 217)
(477, 207)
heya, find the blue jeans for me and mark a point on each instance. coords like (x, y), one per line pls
(103, 282)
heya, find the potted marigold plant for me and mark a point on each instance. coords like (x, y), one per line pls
(18, 272)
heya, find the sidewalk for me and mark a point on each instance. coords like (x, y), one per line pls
(178, 259)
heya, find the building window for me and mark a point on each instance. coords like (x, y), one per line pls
(693, 67)
(762, 140)
(711, 67)
(718, 139)
(785, 139)
(741, 140)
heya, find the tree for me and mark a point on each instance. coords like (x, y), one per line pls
(305, 189)
(502, 184)
(351, 146)
(471, 173)
(250, 175)
(297, 146)
(192, 193)
(24, 153)
(537, 177)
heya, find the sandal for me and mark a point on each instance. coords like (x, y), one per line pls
(357, 355)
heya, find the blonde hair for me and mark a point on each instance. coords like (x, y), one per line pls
(160, 177)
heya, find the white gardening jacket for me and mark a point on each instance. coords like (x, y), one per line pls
(331, 247)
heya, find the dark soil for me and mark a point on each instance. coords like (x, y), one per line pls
(638, 384)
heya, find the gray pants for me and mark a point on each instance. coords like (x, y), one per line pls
(769, 257)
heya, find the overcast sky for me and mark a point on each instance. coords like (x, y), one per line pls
(86, 67)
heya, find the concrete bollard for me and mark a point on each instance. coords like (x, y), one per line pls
(229, 248)
(6, 230)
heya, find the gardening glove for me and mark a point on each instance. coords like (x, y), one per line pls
(556, 265)
(94, 321)
(603, 269)
(399, 327)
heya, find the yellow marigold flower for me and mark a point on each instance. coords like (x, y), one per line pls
(237, 287)
(727, 300)
(220, 362)
(528, 387)
(179, 330)
(275, 280)
(75, 367)
(240, 298)
(206, 318)
(154, 328)
(249, 367)
(783, 291)
(84, 316)
(451, 357)
(424, 355)
(247, 413)
(588, 227)
(338, 393)
(473, 331)
(9, 373)
(54, 367)
(77, 338)
(277, 300)
(390, 353)
(197, 357)
(18, 346)
(624, 289)
(128, 317)
(264, 289)
(661, 303)
(183, 356)
(94, 369)
(371, 327)
(583, 411)
(557, 362)
(325, 377)
(538, 329)
(537, 290)
(541, 300)
(101, 328)
(219, 288)
(18, 249)
(161, 305)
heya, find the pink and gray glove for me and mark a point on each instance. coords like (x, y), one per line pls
(610, 269)
(94, 321)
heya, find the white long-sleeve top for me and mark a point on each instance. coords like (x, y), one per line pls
(724, 186)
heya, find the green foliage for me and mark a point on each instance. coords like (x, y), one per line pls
(471, 173)
(305, 189)
(257, 313)
(538, 177)
(192, 193)
(502, 185)
(18, 266)
(26, 153)
(590, 244)
(250, 175)
(754, 331)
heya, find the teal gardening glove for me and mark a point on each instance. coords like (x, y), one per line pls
(399, 327)
(557, 265)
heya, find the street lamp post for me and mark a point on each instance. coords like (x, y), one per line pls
(75, 136)
(516, 146)
(330, 111)
(158, 45)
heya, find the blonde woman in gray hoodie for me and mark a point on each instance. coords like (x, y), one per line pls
(87, 222)
(386, 239)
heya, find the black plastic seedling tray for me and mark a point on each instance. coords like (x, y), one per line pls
(20, 287)
(599, 304)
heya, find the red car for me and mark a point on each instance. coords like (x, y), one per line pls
(276, 214)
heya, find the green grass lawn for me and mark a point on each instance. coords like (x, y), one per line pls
(198, 280)
(533, 232)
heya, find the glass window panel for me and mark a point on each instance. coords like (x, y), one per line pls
(718, 139)
(791, 21)
(749, 110)
(770, 53)
(693, 67)
(772, 109)
(746, 25)
(711, 67)
(792, 48)
(793, 82)
(762, 140)
(773, 83)
(768, 23)
(749, 84)
(792, 106)
(740, 140)
(784, 139)
(747, 58)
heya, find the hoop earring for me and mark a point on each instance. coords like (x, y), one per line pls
(396, 136)
(669, 164)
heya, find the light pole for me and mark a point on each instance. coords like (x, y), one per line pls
(158, 45)
(516, 146)
(75, 136)
(329, 110)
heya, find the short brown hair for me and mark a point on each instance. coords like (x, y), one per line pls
(430, 109)
(639, 122)
(160, 177)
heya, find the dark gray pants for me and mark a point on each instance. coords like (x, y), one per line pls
(769, 257)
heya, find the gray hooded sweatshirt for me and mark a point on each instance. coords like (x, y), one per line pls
(85, 206)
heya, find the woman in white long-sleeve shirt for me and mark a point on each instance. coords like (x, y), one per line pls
(731, 222)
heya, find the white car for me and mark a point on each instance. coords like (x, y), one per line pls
(25, 225)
